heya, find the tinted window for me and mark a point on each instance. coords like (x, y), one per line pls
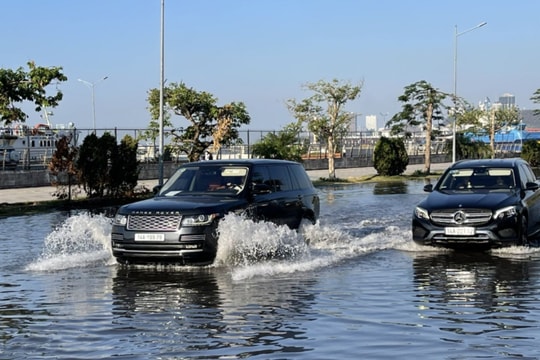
(260, 175)
(300, 178)
(277, 177)
(526, 174)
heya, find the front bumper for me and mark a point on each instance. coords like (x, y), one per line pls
(496, 234)
(187, 245)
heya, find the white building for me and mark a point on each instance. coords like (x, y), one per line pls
(371, 122)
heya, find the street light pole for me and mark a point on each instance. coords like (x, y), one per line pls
(161, 91)
(456, 35)
(91, 86)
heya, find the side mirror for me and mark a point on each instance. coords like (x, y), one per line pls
(531, 186)
(156, 189)
(428, 188)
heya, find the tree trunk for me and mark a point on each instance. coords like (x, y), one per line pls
(427, 150)
(331, 154)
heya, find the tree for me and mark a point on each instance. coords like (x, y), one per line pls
(124, 169)
(62, 167)
(324, 113)
(468, 149)
(94, 163)
(501, 118)
(390, 156)
(210, 124)
(283, 145)
(423, 104)
(106, 168)
(531, 152)
(536, 99)
(17, 86)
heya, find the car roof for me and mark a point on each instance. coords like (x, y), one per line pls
(506, 163)
(239, 162)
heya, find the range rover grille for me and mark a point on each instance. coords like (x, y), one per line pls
(470, 217)
(154, 222)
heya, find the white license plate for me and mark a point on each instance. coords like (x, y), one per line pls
(460, 231)
(149, 237)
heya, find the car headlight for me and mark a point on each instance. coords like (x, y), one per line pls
(421, 213)
(506, 212)
(198, 220)
(120, 219)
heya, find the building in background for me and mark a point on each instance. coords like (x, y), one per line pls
(371, 123)
(507, 101)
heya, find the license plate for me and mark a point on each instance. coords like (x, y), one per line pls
(149, 237)
(460, 231)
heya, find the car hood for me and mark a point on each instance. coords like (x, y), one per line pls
(184, 205)
(439, 200)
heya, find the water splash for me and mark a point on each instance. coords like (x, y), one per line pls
(252, 249)
(81, 240)
(246, 248)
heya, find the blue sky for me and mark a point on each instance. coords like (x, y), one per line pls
(261, 52)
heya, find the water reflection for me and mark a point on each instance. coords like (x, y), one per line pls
(474, 293)
(390, 187)
(203, 309)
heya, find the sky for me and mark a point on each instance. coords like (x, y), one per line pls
(263, 52)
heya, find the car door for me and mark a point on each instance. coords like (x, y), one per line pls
(278, 204)
(531, 198)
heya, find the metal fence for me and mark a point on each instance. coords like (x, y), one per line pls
(356, 145)
(353, 144)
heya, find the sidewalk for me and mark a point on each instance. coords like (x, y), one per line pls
(44, 193)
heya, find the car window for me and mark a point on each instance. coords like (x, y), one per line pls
(260, 174)
(224, 180)
(526, 174)
(279, 178)
(479, 179)
(300, 178)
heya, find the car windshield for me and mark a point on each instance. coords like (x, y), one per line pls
(214, 180)
(490, 179)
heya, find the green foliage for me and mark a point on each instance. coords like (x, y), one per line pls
(536, 99)
(390, 157)
(281, 145)
(124, 171)
(422, 106)
(324, 112)
(531, 152)
(87, 161)
(62, 167)
(209, 124)
(468, 149)
(18, 86)
(108, 169)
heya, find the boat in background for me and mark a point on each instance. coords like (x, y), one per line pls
(29, 147)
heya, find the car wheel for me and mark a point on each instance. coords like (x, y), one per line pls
(523, 239)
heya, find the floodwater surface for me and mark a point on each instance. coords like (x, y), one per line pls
(353, 286)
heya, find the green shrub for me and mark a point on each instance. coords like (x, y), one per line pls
(390, 157)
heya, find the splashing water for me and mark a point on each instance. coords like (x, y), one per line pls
(260, 249)
(82, 240)
(246, 248)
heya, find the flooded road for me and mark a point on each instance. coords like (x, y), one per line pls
(357, 288)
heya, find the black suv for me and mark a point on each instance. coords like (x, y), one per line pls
(480, 203)
(180, 223)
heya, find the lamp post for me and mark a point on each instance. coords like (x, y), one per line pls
(161, 90)
(91, 86)
(456, 35)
